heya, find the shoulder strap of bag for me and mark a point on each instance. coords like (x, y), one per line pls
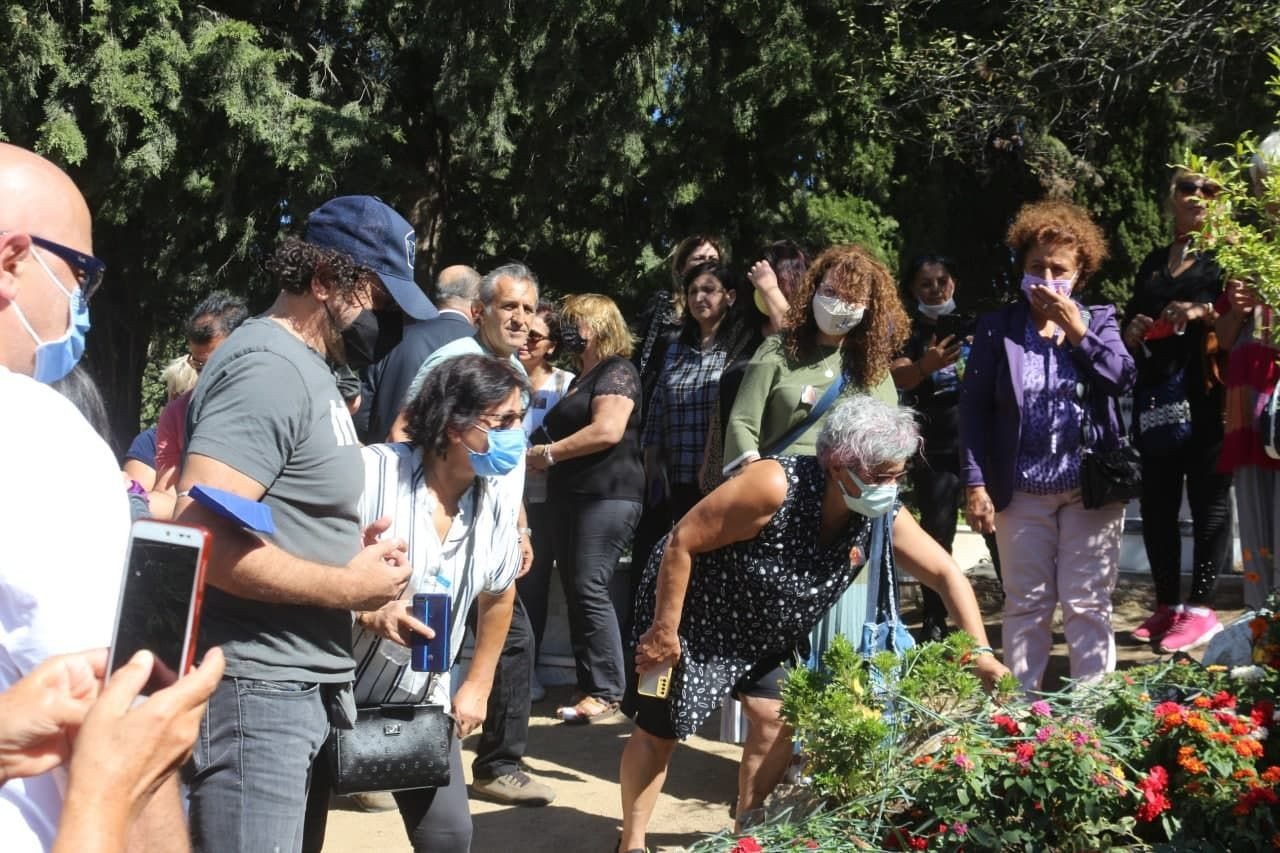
(882, 605)
(819, 408)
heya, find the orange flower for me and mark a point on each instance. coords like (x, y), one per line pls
(1197, 723)
(1173, 720)
(1271, 774)
(1220, 737)
(1249, 748)
(1246, 773)
(1202, 701)
(1188, 761)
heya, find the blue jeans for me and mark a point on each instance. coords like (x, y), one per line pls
(252, 764)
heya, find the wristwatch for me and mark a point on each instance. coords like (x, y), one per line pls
(526, 532)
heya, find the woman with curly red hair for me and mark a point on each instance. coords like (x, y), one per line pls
(1042, 371)
(845, 324)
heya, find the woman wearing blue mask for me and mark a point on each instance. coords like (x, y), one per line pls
(442, 493)
(1044, 373)
(745, 575)
(589, 444)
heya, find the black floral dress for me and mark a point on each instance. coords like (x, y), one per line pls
(756, 599)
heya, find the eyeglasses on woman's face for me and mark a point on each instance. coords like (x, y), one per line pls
(536, 337)
(499, 420)
(886, 475)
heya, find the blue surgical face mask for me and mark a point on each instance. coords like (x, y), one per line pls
(874, 501)
(506, 449)
(1060, 286)
(56, 358)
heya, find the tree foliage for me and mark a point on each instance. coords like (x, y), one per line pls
(587, 138)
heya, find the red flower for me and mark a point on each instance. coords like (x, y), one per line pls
(1166, 708)
(1252, 798)
(1224, 700)
(1005, 722)
(747, 844)
(1153, 789)
(1024, 752)
(1262, 712)
(1271, 775)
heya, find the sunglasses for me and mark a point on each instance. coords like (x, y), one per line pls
(1207, 189)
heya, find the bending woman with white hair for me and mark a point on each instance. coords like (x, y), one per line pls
(745, 575)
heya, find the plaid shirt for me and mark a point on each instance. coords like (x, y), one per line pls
(680, 408)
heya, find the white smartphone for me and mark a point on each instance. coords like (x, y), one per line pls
(655, 683)
(160, 598)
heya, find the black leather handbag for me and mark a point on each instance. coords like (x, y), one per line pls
(1107, 476)
(392, 748)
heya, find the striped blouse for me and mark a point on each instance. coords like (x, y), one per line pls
(395, 486)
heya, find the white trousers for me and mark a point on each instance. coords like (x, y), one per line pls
(1054, 551)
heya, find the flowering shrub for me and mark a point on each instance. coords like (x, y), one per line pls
(909, 754)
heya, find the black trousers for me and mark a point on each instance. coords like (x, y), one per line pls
(939, 495)
(505, 733)
(589, 536)
(1209, 496)
(536, 585)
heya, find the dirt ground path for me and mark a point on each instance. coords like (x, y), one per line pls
(582, 762)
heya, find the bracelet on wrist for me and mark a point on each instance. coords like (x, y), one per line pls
(526, 532)
(983, 650)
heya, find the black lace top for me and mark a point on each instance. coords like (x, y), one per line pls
(757, 599)
(614, 473)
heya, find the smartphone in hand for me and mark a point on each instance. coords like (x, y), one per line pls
(433, 609)
(160, 598)
(655, 683)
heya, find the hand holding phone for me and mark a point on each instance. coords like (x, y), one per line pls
(432, 609)
(655, 683)
(160, 598)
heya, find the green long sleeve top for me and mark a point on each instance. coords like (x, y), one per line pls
(776, 396)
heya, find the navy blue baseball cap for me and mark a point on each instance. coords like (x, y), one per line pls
(374, 236)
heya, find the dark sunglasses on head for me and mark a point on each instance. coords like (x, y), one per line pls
(1208, 189)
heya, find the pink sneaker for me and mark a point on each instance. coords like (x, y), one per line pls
(1190, 631)
(1157, 624)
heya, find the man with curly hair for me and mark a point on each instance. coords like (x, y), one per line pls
(268, 423)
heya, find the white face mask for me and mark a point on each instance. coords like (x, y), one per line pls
(835, 316)
(933, 312)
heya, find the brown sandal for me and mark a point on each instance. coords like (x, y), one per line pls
(589, 709)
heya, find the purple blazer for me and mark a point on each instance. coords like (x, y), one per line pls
(991, 396)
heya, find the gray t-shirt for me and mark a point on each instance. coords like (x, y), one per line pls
(267, 406)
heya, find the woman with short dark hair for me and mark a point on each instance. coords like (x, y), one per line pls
(688, 387)
(461, 536)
